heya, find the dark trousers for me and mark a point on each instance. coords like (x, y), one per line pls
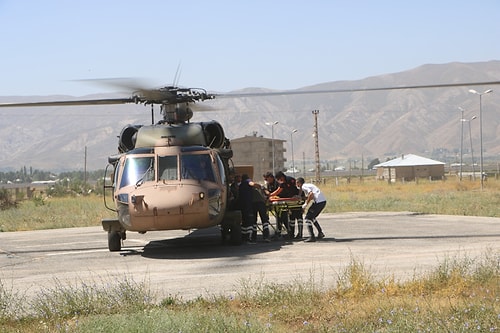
(315, 210)
(282, 220)
(260, 209)
(247, 223)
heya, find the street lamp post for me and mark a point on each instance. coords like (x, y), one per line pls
(272, 141)
(461, 141)
(481, 131)
(471, 151)
(293, 162)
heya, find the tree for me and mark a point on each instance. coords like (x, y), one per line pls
(373, 163)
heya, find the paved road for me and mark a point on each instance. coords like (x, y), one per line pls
(196, 264)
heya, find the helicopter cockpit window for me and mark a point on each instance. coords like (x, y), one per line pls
(167, 167)
(221, 170)
(197, 167)
(137, 170)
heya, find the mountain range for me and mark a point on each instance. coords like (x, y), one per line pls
(351, 125)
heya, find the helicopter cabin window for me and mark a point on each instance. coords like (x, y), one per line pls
(137, 170)
(167, 167)
(197, 167)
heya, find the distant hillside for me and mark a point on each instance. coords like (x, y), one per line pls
(351, 125)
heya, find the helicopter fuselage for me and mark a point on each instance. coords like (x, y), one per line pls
(170, 177)
(167, 188)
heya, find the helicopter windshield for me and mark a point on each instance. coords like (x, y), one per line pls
(167, 167)
(137, 170)
(197, 167)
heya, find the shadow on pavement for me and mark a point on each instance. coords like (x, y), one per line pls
(202, 244)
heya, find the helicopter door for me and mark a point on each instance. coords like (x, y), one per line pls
(109, 177)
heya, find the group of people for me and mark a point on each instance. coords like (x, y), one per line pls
(252, 199)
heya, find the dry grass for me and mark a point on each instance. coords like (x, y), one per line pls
(460, 295)
(449, 197)
(52, 213)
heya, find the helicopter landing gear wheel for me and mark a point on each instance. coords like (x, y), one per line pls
(231, 228)
(114, 241)
(116, 233)
(235, 233)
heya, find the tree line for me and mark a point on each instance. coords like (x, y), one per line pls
(28, 175)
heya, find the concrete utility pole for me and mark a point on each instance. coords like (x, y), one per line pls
(316, 146)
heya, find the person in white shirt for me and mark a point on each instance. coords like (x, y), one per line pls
(313, 205)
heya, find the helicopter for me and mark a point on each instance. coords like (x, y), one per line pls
(175, 174)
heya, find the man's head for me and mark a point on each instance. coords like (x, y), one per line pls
(280, 176)
(268, 176)
(300, 181)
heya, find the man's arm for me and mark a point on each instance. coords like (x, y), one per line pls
(277, 192)
(257, 185)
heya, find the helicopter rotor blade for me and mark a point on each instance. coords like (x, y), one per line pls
(199, 107)
(128, 84)
(173, 95)
(104, 101)
(350, 90)
(135, 86)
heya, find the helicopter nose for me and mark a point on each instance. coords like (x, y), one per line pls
(174, 207)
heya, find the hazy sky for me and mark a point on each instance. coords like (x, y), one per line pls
(227, 45)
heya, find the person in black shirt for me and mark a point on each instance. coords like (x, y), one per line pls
(271, 183)
(287, 189)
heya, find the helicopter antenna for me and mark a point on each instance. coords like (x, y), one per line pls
(177, 75)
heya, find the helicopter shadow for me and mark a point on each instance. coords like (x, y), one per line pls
(202, 244)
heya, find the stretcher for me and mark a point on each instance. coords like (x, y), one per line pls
(278, 206)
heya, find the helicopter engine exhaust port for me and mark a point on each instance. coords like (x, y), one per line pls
(128, 137)
(214, 134)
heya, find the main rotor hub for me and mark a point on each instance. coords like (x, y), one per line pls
(176, 113)
(174, 101)
(171, 95)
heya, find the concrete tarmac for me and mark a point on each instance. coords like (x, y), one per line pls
(192, 264)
